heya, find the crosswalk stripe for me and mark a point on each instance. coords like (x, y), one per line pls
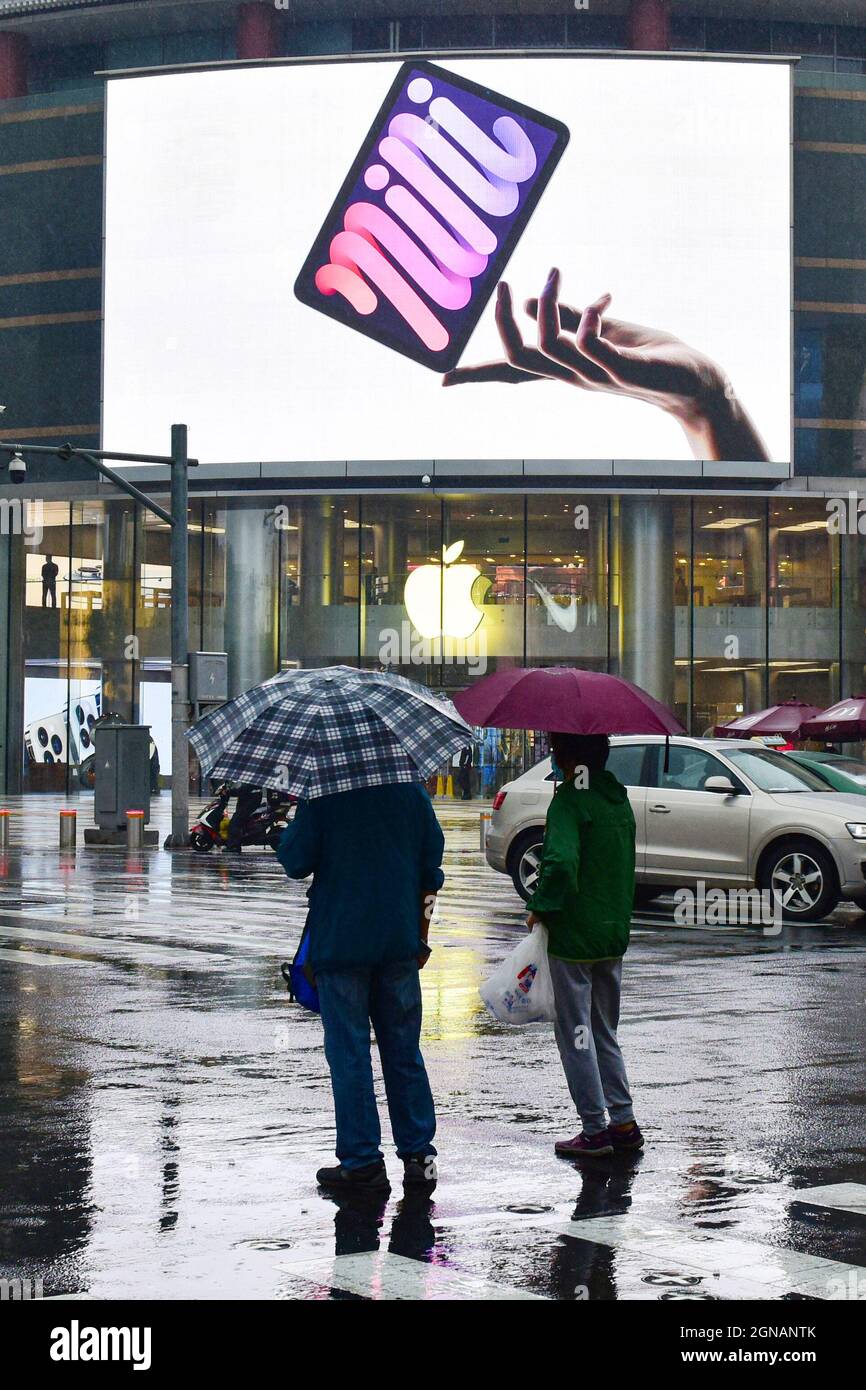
(760, 1271)
(729, 1267)
(42, 958)
(110, 946)
(838, 1196)
(247, 945)
(378, 1274)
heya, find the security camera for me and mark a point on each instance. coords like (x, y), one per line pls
(17, 468)
(426, 480)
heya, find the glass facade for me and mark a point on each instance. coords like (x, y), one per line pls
(821, 47)
(718, 606)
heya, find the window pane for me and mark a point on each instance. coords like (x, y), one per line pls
(56, 68)
(320, 38)
(729, 621)
(737, 36)
(153, 624)
(816, 63)
(687, 32)
(399, 536)
(44, 576)
(371, 35)
(566, 600)
(850, 43)
(682, 609)
(530, 31)
(804, 612)
(804, 602)
(852, 671)
(409, 34)
(803, 38)
(596, 31)
(809, 377)
(317, 558)
(193, 48)
(475, 31)
(688, 769)
(626, 763)
(485, 537)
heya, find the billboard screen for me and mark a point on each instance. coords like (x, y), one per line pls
(484, 258)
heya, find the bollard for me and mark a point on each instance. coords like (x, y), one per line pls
(4, 831)
(484, 827)
(68, 829)
(134, 829)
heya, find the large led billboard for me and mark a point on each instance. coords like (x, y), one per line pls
(542, 258)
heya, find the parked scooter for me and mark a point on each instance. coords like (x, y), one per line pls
(264, 826)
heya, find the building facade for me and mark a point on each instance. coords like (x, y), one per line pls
(717, 590)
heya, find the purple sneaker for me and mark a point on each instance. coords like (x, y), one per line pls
(585, 1146)
(625, 1138)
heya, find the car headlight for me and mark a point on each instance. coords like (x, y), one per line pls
(856, 828)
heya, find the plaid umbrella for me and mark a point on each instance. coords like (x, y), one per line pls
(311, 733)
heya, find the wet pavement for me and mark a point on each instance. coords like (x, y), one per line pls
(164, 1107)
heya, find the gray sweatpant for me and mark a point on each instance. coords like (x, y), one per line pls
(587, 1014)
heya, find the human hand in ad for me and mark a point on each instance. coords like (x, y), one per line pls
(586, 349)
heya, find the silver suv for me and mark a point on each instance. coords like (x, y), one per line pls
(728, 813)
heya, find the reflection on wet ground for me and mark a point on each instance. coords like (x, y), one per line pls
(164, 1107)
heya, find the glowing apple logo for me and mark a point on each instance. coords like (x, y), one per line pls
(438, 598)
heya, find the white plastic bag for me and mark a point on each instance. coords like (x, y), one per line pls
(520, 990)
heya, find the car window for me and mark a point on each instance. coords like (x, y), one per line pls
(625, 761)
(852, 766)
(774, 772)
(688, 769)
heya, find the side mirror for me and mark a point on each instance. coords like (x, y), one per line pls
(721, 785)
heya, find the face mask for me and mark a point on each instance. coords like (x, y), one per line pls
(556, 769)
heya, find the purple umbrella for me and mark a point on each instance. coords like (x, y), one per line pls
(778, 719)
(564, 700)
(843, 722)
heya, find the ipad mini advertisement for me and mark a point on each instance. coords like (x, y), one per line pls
(491, 258)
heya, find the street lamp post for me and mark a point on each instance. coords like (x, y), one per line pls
(177, 519)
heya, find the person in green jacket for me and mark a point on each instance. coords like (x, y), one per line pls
(584, 897)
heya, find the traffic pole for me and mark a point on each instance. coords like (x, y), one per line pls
(179, 640)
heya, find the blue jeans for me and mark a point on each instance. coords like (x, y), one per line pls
(389, 996)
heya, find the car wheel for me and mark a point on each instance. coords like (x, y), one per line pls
(803, 876)
(524, 861)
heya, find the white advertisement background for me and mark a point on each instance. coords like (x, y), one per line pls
(673, 194)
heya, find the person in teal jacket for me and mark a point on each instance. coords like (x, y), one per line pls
(375, 855)
(584, 897)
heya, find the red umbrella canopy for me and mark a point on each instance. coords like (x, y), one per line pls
(841, 723)
(564, 700)
(778, 719)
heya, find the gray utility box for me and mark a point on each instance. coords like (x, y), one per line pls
(122, 763)
(208, 678)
